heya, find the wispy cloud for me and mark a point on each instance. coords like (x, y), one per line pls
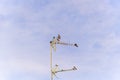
(26, 27)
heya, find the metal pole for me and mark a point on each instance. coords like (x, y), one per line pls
(51, 62)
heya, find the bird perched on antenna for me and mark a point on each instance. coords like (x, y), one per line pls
(56, 40)
(59, 37)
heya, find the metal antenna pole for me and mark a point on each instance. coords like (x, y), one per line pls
(53, 46)
(51, 62)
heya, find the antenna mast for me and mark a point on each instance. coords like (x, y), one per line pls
(56, 40)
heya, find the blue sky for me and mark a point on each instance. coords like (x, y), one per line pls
(26, 27)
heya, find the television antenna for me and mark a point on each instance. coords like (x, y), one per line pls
(56, 40)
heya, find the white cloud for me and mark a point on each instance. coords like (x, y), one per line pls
(29, 37)
(10, 66)
(110, 42)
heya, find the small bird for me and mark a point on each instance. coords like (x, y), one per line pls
(59, 37)
(75, 45)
